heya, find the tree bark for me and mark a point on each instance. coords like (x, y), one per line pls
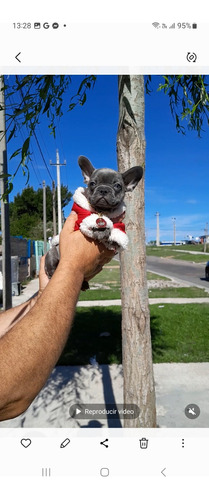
(136, 339)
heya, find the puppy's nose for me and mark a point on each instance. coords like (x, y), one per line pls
(103, 191)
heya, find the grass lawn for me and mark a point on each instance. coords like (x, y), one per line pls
(185, 248)
(154, 293)
(172, 253)
(85, 341)
(153, 276)
(106, 286)
(183, 292)
(179, 334)
(110, 294)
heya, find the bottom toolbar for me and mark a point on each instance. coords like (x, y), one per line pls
(104, 453)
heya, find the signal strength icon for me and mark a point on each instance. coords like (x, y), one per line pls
(156, 25)
(172, 26)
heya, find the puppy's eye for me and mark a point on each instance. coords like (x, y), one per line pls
(118, 186)
(92, 184)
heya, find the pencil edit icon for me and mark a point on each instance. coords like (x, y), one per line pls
(65, 443)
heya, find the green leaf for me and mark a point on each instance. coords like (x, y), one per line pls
(25, 149)
(47, 105)
(12, 132)
(17, 152)
(72, 106)
(83, 100)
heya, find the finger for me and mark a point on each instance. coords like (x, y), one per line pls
(70, 222)
(43, 278)
(97, 271)
(106, 257)
(109, 254)
(42, 264)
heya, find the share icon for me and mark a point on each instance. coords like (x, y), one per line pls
(103, 442)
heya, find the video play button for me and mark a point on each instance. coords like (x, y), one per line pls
(104, 411)
(77, 409)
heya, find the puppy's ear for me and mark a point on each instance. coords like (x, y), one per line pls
(86, 167)
(131, 177)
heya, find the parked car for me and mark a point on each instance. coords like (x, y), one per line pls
(207, 271)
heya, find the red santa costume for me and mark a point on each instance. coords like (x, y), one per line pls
(89, 221)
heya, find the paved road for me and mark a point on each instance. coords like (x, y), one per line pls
(182, 270)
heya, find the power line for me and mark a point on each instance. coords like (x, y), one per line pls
(42, 138)
(62, 148)
(60, 135)
(39, 147)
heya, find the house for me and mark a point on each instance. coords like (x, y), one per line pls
(204, 238)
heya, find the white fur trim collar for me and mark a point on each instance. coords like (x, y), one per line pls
(82, 201)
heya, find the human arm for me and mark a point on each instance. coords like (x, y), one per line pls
(10, 317)
(31, 348)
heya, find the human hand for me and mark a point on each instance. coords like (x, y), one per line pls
(43, 278)
(79, 251)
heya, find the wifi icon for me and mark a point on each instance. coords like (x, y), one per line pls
(156, 25)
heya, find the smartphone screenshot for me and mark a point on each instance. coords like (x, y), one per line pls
(104, 252)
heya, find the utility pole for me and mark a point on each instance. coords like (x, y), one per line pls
(44, 216)
(174, 229)
(59, 207)
(158, 230)
(206, 236)
(5, 230)
(54, 209)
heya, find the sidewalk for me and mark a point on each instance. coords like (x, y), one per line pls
(190, 251)
(176, 386)
(27, 293)
(32, 288)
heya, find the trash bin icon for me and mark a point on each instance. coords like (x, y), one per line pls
(143, 443)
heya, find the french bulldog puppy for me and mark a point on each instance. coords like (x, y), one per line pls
(100, 208)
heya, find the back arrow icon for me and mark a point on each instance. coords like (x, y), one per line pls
(162, 472)
(16, 57)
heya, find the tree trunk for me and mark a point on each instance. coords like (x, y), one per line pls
(136, 340)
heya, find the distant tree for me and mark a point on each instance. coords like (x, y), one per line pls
(26, 212)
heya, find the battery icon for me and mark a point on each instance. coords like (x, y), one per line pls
(194, 26)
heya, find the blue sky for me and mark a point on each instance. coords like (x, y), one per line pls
(176, 179)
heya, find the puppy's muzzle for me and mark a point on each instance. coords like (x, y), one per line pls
(103, 196)
(103, 191)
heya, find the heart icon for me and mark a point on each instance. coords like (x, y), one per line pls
(26, 442)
